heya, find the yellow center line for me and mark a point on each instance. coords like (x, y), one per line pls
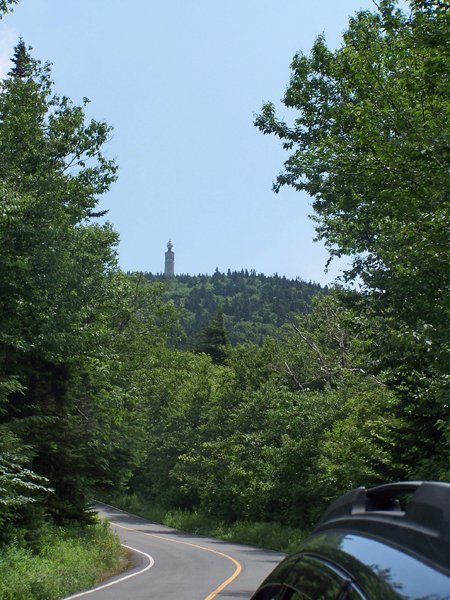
(224, 584)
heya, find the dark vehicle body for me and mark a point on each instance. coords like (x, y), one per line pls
(366, 546)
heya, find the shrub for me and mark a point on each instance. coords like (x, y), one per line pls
(69, 559)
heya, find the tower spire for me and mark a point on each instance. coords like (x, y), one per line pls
(169, 264)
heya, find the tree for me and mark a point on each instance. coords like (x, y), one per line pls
(180, 391)
(58, 278)
(6, 6)
(213, 339)
(320, 348)
(20, 487)
(22, 61)
(370, 144)
(370, 140)
(46, 145)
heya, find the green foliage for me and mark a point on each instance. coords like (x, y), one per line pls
(180, 391)
(77, 335)
(256, 439)
(68, 560)
(18, 485)
(369, 142)
(310, 398)
(21, 491)
(241, 472)
(58, 279)
(47, 147)
(317, 350)
(260, 534)
(253, 306)
(369, 138)
(281, 462)
(7, 6)
(213, 339)
(274, 536)
(361, 446)
(56, 267)
(22, 62)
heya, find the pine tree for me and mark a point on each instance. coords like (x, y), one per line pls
(22, 61)
(213, 339)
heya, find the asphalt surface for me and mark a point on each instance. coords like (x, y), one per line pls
(171, 564)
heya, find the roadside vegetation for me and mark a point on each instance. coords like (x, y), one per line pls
(102, 391)
(61, 562)
(272, 536)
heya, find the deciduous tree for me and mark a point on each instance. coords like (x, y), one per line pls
(370, 143)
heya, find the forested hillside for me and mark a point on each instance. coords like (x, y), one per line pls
(314, 396)
(253, 305)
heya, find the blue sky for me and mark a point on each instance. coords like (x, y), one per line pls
(180, 81)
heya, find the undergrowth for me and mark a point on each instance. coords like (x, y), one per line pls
(273, 536)
(68, 560)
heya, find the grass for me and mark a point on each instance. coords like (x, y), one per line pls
(274, 536)
(69, 560)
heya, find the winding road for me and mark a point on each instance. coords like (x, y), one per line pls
(171, 564)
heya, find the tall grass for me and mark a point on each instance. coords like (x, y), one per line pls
(274, 536)
(68, 560)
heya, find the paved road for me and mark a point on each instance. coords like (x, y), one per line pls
(170, 564)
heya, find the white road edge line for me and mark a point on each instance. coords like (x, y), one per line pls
(151, 562)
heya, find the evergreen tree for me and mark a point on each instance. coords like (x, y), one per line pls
(57, 281)
(22, 61)
(253, 305)
(213, 339)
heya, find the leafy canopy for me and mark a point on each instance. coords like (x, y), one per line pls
(369, 143)
(58, 288)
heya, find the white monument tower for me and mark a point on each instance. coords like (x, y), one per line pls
(169, 265)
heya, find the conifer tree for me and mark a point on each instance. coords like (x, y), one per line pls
(57, 274)
(213, 339)
(22, 61)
